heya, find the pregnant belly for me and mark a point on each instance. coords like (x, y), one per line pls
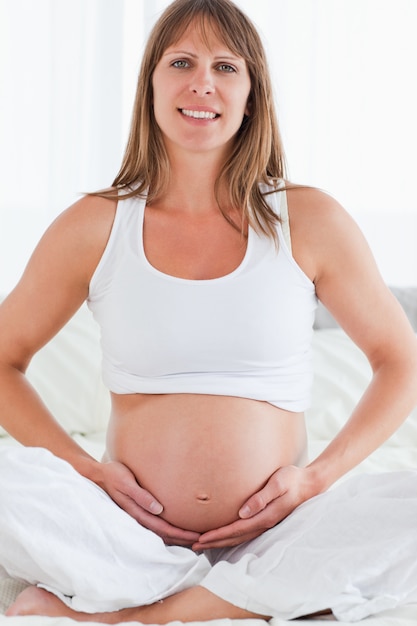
(203, 456)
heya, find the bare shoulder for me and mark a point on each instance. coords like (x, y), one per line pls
(91, 217)
(312, 208)
(321, 228)
(57, 276)
(333, 252)
(78, 236)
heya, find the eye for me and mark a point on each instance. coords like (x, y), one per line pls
(225, 67)
(181, 64)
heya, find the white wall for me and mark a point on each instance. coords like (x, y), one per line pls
(344, 77)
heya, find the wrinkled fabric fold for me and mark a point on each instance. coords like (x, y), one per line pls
(352, 549)
(62, 532)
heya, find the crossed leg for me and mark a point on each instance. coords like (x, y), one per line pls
(193, 604)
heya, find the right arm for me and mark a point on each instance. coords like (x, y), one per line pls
(53, 286)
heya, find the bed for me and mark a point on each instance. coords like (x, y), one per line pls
(67, 375)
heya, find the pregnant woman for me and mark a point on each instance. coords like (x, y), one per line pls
(202, 267)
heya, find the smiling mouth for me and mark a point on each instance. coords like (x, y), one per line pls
(199, 115)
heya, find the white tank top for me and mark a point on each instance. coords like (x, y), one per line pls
(246, 334)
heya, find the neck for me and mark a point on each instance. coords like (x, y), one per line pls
(192, 185)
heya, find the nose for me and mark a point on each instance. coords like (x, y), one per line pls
(202, 83)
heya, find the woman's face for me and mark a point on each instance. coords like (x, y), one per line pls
(200, 95)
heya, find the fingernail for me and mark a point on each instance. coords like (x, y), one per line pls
(156, 508)
(244, 511)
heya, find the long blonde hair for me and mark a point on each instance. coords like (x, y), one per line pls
(257, 155)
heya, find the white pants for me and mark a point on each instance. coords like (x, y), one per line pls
(352, 549)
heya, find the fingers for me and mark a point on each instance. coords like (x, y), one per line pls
(146, 501)
(260, 500)
(225, 543)
(246, 529)
(171, 535)
(122, 486)
(231, 535)
(131, 506)
(128, 485)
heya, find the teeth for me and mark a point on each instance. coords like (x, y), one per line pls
(208, 115)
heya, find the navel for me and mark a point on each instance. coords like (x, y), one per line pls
(203, 497)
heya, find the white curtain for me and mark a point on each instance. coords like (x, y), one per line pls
(343, 74)
(60, 115)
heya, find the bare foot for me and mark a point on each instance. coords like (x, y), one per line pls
(193, 604)
(36, 601)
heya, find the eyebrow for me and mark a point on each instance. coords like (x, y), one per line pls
(195, 56)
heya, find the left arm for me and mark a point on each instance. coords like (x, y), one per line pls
(349, 284)
(332, 251)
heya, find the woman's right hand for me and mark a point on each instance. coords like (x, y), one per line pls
(121, 485)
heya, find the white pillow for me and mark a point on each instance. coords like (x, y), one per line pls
(67, 375)
(341, 374)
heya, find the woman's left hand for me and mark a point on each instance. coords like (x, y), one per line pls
(286, 489)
